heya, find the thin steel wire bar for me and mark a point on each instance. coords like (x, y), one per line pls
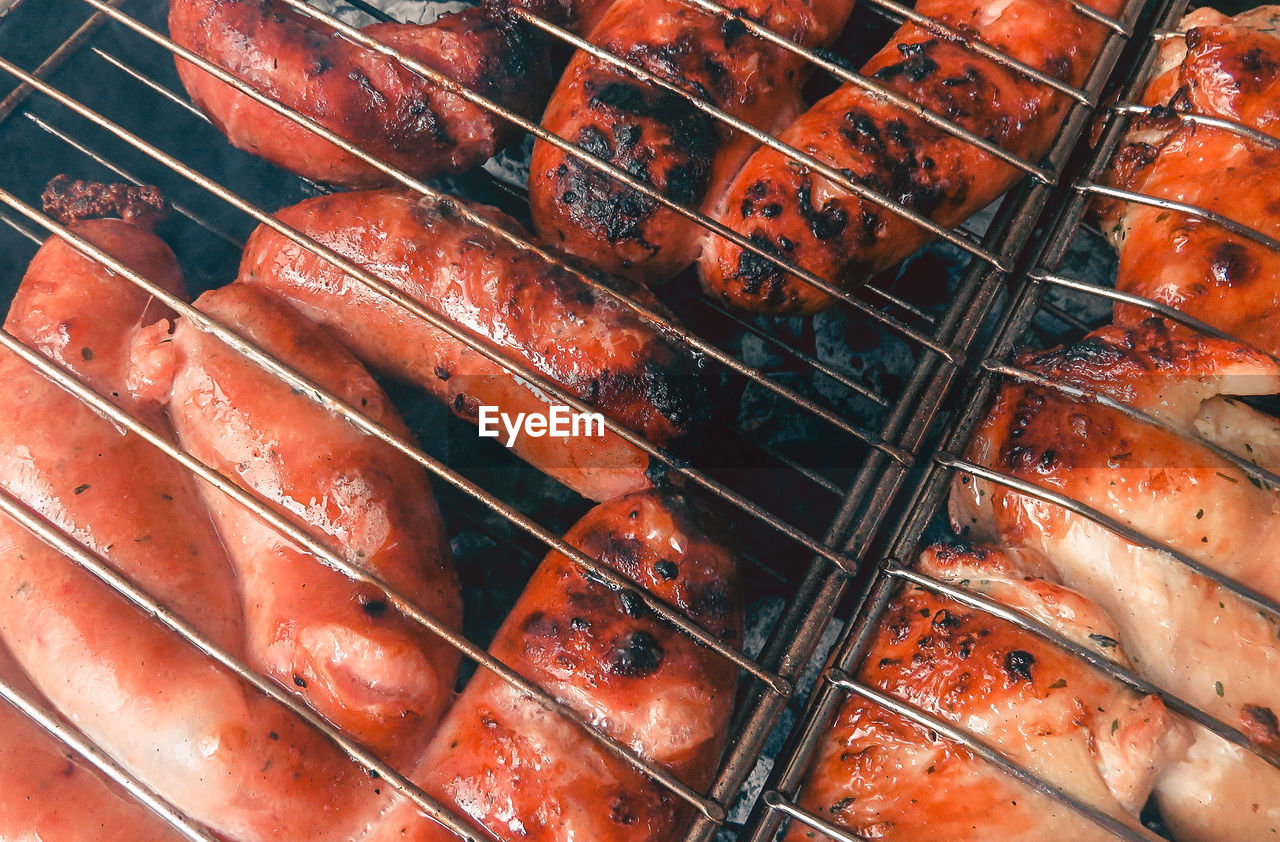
(1232, 126)
(21, 229)
(101, 568)
(64, 51)
(866, 392)
(1129, 298)
(643, 187)
(41, 716)
(778, 802)
(101, 160)
(844, 74)
(498, 230)
(985, 50)
(1106, 666)
(300, 537)
(805, 471)
(1065, 317)
(1255, 599)
(1227, 223)
(804, 356)
(139, 76)
(898, 301)
(700, 478)
(1259, 476)
(968, 243)
(991, 755)
(1119, 27)
(331, 402)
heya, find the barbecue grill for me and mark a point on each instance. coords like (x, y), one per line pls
(1057, 296)
(830, 418)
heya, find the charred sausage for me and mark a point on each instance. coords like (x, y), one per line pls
(376, 675)
(522, 772)
(225, 755)
(656, 135)
(362, 95)
(789, 211)
(538, 314)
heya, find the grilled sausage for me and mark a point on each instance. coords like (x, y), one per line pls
(883, 776)
(522, 772)
(655, 134)
(223, 754)
(519, 304)
(48, 796)
(789, 211)
(1224, 68)
(369, 670)
(362, 95)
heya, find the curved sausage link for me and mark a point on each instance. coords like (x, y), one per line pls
(375, 674)
(364, 96)
(537, 313)
(791, 212)
(525, 773)
(658, 136)
(48, 795)
(223, 754)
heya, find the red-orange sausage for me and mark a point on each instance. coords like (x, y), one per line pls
(47, 795)
(225, 755)
(362, 95)
(655, 134)
(540, 315)
(789, 211)
(375, 674)
(523, 773)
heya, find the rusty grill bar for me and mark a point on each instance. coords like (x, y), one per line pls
(942, 342)
(929, 494)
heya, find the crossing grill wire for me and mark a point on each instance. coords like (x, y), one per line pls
(1050, 301)
(825, 419)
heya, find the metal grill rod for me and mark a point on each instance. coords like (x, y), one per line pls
(967, 243)
(941, 30)
(1257, 600)
(1104, 665)
(719, 489)
(101, 568)
(414, 307)
(300, 537)
(70, 737)
(1182, 208)
(1259, 476)
(991, 755)
(1236, 128)
(764, 33)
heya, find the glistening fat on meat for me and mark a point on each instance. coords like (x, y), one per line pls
(380, 677)
(220, 752)
(794, 213)
(884, 776)
(523, 772)
(534, 312)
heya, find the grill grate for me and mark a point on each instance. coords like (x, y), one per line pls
(1029, 303)
(888, 431)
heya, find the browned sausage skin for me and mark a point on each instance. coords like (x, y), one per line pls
(655, 134)
(538, 314)
(793, 213)
(363, 96)
(524, 773)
